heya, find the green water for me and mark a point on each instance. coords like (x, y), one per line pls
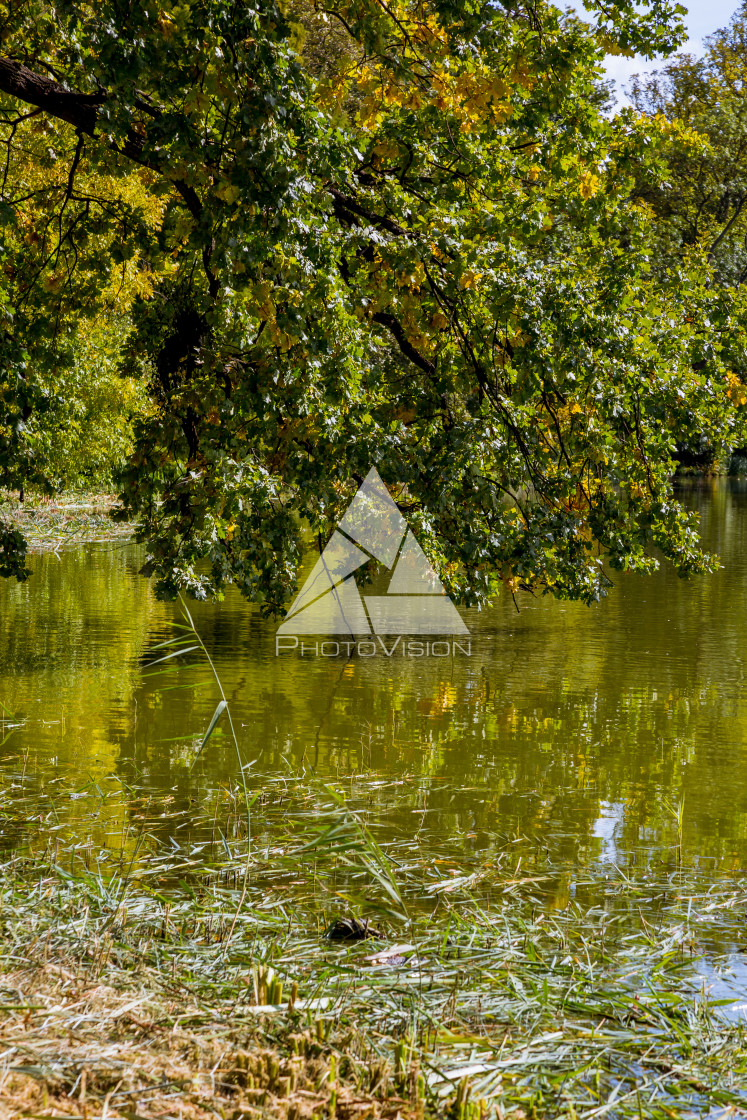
(577, 728)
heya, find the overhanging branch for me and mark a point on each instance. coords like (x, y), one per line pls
(81, 111)
(78, 109)
(396, 329)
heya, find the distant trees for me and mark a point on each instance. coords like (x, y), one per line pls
(701, 199)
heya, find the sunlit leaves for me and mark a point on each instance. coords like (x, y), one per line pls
(394, 234)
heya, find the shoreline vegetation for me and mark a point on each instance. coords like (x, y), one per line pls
(72, 517)
(122, 997)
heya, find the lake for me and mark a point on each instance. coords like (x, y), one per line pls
(575, 732)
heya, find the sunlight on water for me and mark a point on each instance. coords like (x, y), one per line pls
(579, 728)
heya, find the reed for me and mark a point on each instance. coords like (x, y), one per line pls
(168, 998)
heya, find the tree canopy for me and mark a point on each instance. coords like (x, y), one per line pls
(395, 234)
(701, 200)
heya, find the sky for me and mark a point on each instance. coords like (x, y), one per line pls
(703, 18)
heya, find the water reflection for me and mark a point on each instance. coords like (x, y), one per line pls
(578, 728)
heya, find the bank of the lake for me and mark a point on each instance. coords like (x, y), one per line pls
(121, 998)
(73, 517)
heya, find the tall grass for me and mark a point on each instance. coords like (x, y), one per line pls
(488, 1007)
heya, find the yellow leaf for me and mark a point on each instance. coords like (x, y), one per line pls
(167, 25)
(737, 392)
(469, 279)
(589, 184)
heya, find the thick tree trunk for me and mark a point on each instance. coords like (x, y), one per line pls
(78, 109)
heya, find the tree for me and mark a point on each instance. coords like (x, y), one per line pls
(65, 291)
(95, 408)
(701, 200)
(400, 234)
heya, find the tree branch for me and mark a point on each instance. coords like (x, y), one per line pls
(395, 328)
(81, 110)
(78, 109)
(346, 207)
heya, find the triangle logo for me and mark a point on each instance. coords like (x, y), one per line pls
(373, 528)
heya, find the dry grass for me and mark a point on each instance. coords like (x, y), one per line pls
(80, 1047)
(88, 1039)
(123, 1000)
